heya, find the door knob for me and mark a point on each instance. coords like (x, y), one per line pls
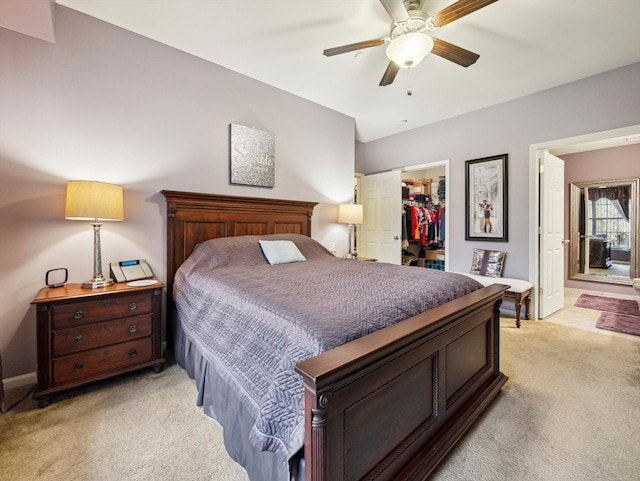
(395, 237)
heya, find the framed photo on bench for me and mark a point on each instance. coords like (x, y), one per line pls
(486, 199)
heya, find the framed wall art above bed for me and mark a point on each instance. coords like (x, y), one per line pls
(252, 157)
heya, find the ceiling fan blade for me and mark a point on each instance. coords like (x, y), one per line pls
(458, 10)
(454, 53)
(395, 9)
(389, 74)
(352, 47)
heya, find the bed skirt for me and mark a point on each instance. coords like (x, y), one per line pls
(220, 402)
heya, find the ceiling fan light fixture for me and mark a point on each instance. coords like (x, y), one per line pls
(409, 49)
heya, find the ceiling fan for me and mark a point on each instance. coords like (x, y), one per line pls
(411, 39)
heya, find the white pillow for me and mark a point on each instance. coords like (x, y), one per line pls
(281, 252)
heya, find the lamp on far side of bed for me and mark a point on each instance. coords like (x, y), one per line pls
(351, 214)
(94, 201)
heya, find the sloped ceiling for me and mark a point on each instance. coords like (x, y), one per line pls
(525, 46)
(34, 18)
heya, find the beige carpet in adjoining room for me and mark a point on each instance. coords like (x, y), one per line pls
(570, 411)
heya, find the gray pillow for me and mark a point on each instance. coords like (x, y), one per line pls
(487, 263)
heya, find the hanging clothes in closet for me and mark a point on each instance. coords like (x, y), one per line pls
(423, 224)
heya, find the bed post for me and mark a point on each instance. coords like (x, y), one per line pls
(496, 333)
(319, 441)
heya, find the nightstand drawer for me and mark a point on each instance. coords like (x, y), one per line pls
(83, 338)
(101, 360)
(88, 312)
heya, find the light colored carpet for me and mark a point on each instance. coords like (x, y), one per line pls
(143, 426)
(570, 411)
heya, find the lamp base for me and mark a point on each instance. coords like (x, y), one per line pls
(97, 282)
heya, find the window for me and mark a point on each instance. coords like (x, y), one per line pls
(608, 222)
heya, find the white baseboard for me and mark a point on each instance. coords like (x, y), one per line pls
(19, 381)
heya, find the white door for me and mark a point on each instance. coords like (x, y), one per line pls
(381, 199)
(585, 235)
(551, 293)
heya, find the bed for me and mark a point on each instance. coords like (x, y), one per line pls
(382, 402)
(599, 253)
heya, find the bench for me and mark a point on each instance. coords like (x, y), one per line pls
(520, 291)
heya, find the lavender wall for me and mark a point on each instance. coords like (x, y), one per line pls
(603, 164)
(600, 103)
(106, 104)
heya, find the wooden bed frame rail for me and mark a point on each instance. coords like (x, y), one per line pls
(390, 406)
(387, 406)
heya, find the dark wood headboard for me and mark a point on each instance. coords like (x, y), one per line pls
(194, 217)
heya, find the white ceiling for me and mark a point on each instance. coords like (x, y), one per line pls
(525, 46)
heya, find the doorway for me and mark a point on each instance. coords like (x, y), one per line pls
(381, 196)
(581, 143)
(438, 174)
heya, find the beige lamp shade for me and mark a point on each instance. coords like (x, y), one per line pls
(89, 200)
(350, 214)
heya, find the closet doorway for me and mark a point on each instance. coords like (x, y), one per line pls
(380, 235)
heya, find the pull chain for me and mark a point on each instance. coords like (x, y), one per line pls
(409, 91)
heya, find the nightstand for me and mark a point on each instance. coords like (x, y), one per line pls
(86, 335)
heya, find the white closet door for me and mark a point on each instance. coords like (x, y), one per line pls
(379, 235)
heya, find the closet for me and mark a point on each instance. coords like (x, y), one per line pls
(423, 217)
(389, 198)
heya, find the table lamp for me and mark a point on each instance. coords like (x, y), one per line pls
(94, 201)
(351, 214)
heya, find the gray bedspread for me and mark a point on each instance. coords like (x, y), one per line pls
(254, 321)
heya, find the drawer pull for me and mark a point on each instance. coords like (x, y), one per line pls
(107, 303)
(107, 351)
(78, 315)
(79, 339)
(132, 353)
(133, 329)
(78, 366)
(133, 306)
(107, 326)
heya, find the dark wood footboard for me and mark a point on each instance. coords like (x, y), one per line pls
(390, 406)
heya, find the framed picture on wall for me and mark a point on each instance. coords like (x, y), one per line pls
(252, 156)
(486, 199)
